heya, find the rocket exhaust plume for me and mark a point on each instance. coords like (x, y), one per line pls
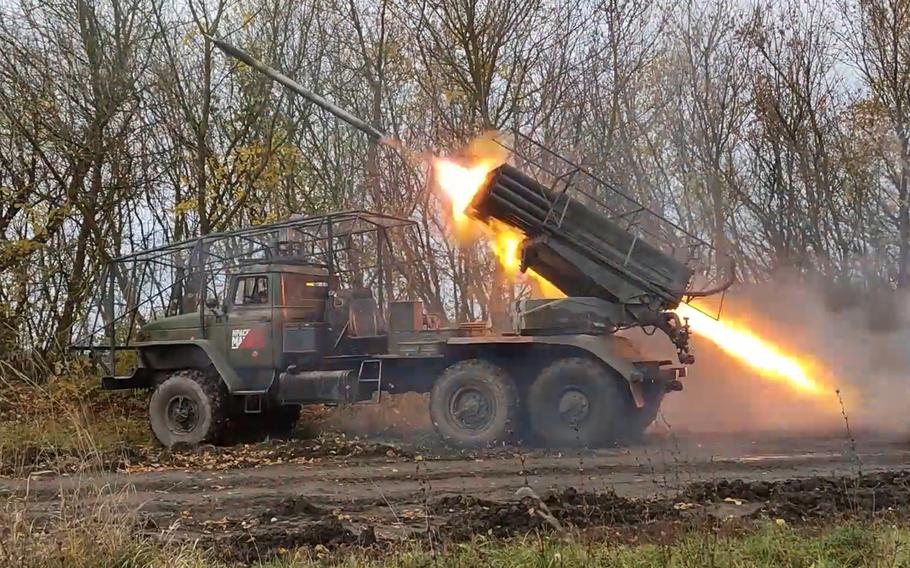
(762, 356)
(461, 176)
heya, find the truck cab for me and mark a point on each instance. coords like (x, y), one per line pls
(274, 316)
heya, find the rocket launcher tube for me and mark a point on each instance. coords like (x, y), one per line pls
(375, 134)
(578, 249)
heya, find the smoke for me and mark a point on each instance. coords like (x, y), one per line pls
(396, 416)
(861, 349)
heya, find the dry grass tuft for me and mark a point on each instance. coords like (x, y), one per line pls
(83, 528)
(65, 422)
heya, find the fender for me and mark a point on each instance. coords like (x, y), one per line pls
(200, 353)
(616, 352)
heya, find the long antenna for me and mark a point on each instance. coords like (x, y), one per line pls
(374, 133)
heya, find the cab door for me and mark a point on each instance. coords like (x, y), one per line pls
(301, 311)
(250, 334)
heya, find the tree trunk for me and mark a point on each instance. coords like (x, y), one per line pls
(903, 228)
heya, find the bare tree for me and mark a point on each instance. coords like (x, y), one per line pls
(879, 46)
(71, 100)
(712, 82)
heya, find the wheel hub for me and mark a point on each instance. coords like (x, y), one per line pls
(182, 414)
(471, 408)
(574, 407)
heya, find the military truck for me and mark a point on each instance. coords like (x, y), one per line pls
(247, 326)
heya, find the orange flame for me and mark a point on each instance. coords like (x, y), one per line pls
(763, 356)
(460, 180)
(459, 183)
(506, 244)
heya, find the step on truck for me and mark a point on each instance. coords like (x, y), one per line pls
(236, 331)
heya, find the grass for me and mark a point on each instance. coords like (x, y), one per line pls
(98, 539)
(770, 546)
(86, 528)
(65, 418)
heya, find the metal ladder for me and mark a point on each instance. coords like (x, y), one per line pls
(371, 373)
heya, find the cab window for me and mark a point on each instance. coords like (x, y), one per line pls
(251, 290)
(301, 290)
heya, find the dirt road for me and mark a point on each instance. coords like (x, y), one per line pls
(391, 487)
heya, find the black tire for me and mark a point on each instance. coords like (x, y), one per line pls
(189, 408)
(474, 404)
(575, 402)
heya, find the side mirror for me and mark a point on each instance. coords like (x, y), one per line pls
(211, 303)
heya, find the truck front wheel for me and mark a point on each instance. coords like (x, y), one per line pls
(474, 403)
(188, 408)
(575, 402)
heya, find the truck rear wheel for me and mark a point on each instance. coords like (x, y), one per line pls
(188, 408)
(474, 403)
(575, 402)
